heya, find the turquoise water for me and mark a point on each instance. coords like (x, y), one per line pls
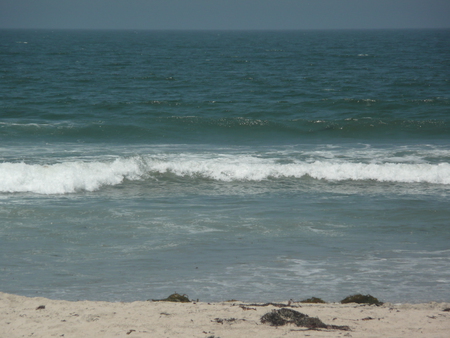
(259, 166)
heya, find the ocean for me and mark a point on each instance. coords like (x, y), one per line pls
(250, 165)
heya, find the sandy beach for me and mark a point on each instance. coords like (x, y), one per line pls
(40, 317)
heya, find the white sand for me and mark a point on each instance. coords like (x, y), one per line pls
(20, 317)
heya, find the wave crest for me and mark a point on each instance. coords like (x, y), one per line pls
(71, 177)
(66, 177)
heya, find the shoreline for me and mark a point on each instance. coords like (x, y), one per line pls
(22, 316)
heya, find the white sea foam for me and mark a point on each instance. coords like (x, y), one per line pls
(69, 177)
(257, 169)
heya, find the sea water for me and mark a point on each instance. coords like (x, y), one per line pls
(260, 166)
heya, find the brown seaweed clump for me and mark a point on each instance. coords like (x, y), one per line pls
(288, 316)
(361, 299)
(174, 297)
(313, 300)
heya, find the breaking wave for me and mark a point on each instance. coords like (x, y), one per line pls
(75, 176)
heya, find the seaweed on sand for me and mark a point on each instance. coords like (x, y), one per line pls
(313, 300)
(174, 297)
(288, 316)
(361, 299)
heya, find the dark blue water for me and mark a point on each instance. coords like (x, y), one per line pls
(248, 165)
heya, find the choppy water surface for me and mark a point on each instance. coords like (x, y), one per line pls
(259, 166)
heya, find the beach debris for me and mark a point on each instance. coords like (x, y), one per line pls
(361, 299)
(447, 309)
(229, 320)
(40, 307)
(221, 320)
(313, 300)
(129, 332)
(245, 308)
(288, 316)
(174, 297)
(282, 317)
(274, 304)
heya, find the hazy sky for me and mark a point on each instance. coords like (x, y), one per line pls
(224, 14)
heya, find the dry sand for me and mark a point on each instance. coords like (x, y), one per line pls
(41, 317)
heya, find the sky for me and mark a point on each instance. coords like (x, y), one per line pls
(224, 14)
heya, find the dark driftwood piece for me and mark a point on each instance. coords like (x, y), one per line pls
(274, 304)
